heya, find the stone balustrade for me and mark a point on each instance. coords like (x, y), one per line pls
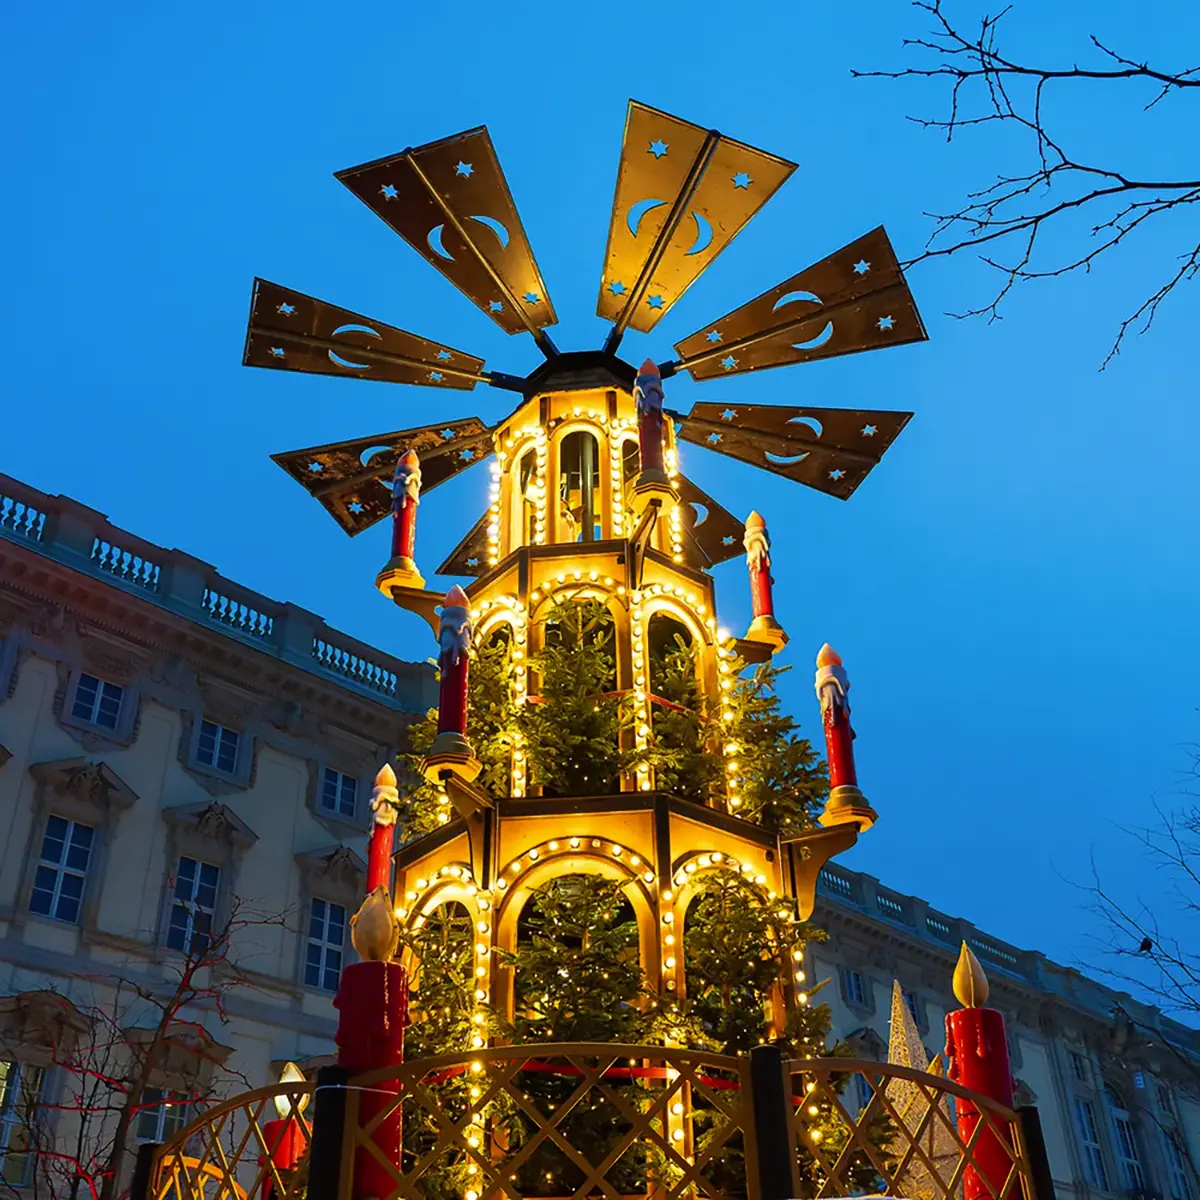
(79, 537)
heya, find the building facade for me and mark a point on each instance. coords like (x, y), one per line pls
(182, 758)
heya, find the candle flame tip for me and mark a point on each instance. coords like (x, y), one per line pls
(456, 598)
(374, 930)
(827, 656)
(755, 520)
(386, 776)
(970, 981)
(410, 458)
(649, 367)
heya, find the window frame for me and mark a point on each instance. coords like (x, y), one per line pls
(165, 1107)
(324, 946)
(103, 692)
(861, 999)
(1126, 1151)
(343, 777)
(26, 1121)
(219, 735)
(191, 908)
(1088, 1138)
(62, 869)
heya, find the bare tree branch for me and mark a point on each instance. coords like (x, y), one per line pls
(987, 87)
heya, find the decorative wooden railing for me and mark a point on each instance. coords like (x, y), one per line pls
(611, 1121)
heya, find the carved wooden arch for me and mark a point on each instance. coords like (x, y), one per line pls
(444, 888)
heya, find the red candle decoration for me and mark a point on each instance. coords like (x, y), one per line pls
(385, 803)
(287, 1137)
(372, 1005)
(406, 495)
(846, 804)
(454, 642)
(648, 396)
(401, 570)
(977, 1054)
(764, 627)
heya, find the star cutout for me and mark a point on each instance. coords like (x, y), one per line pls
(713, 439)
(316, 466)
(388, 191)
(435, 376)
(861, 267)
(447, 435)
(495, 306)
(532, 298)
(714, 335)
(616, 287)
(836, 473)
(868, 430)
(277, 352)
(355, 507)
(443, 355)
(885, 323)
(658, 148)
(286, 309)
(742, 180)
(729, 414)
(472, 562)
(654, 301)
(466, 454)
(728, 540)
(729, 362)
(464, 169)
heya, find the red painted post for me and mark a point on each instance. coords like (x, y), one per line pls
(385, 801)
(846, 804)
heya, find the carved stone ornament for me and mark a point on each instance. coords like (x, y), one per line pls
(185, 1054)
(40, 1020)
(214, 822)
(92, 783)
(338, 864)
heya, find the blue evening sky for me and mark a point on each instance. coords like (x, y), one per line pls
(1014, 590)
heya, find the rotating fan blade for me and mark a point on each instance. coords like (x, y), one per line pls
(290, 331)
(830, 449)
(469, 557)
(352, 480)
(683, 193)
(715, 533)
(450, 202)
(856, 299)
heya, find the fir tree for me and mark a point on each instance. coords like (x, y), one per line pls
(572, 728)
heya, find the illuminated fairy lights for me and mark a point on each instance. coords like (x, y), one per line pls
(493, 525)
(449, 883)
(675, 518)
(506, 609)
(632, 865)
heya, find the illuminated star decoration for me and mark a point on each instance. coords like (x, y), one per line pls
(463, 169)
(861, 267)
(742, 180)
(388, 191)
(658, 148)
(616, 287)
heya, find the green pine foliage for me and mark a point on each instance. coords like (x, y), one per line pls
(572, 726)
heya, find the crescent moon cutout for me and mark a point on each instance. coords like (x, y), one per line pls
(784, 460)
(699, 514)
(356, 329)
(368, 454)
(811, 422)
(434, 238)
(638, 211)
(496, 227)
(819, 340)
(792, 297)
(345, 362)
(703, 233)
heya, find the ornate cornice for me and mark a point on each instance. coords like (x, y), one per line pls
(95, 783)
(213, 822)
(338, 864)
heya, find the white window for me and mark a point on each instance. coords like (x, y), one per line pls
(1177, 1167)
(162, 1115)
(339, 793)
(62, 869)
(1089, 1141)
(192, 906)
(218, 747)
(326, 939)
(97, 702)
(1125, 1143)
(20, 1091)
(856, 987)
